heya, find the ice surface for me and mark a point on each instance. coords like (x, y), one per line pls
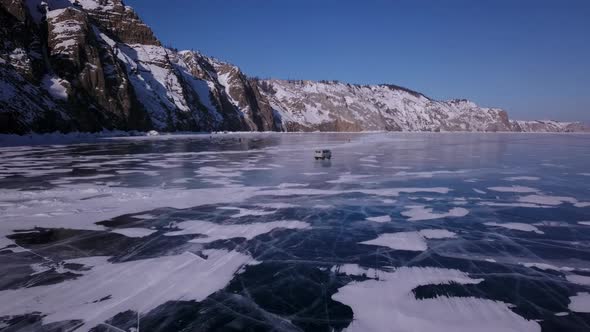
(230, 231)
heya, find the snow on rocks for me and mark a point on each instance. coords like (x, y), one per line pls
(56, 87)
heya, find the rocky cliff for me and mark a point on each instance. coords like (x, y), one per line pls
(89, 65)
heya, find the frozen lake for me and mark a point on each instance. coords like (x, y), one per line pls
(247, 232)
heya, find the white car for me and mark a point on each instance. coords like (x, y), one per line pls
(323, 154)
(152, 133)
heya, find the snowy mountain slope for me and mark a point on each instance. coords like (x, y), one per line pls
(106, 68)
(307, 105)
(90, 65)
(548, 126)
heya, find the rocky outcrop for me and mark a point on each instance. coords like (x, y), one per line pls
(89, 65)
(120, 21)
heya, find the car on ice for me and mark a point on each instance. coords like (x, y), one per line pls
(323, 154)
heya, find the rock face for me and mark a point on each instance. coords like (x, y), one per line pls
(90, 65)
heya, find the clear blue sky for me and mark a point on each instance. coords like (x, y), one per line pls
(531, 57)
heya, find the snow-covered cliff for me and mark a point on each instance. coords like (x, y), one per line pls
(89, 65)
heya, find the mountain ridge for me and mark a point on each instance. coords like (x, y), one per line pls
(91, 65)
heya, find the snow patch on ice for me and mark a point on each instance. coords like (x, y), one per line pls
(522, 178)
(420, 212)
(578, 279)
(380, 219)
(379, 305)
(214, 232)
(514, 189)
(580, 302)
(515, 226)
(410, 241)
(134, 232)
(437, 234)
(108, 289)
